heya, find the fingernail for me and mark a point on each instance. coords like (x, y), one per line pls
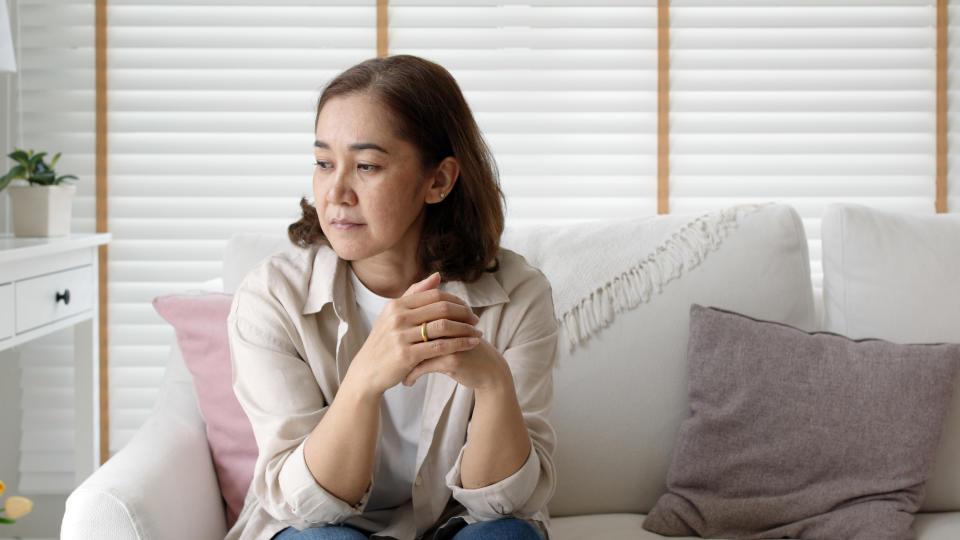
(479, 332)
(473, 340)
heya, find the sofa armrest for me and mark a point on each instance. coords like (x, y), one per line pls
(161, 485)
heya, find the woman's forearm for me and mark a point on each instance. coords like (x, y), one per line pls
(340, 450)
(498, 443)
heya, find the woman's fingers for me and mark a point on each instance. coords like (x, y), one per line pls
(422, 367)
(442, 310)
(439, 347)
(419, 299)
(424, 284)
(442, 328)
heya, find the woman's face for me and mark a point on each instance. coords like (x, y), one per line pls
(367, 176)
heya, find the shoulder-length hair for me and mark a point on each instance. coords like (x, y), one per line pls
(461, 234)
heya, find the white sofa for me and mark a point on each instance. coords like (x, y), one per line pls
(619, 396)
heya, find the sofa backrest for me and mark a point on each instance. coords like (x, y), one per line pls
(620, 396)
(893, 276)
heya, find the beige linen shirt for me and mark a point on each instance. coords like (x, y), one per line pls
(294, 327)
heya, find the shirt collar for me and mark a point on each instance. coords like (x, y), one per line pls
(329, 282)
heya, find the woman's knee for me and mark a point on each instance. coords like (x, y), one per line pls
(505, 529)
(327, 532)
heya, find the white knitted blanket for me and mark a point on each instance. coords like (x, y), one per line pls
(601, 268)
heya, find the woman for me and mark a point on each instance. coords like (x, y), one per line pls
(396, 363)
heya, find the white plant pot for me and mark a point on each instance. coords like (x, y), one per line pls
(41, 210)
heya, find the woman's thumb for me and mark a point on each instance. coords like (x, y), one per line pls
(425, 284)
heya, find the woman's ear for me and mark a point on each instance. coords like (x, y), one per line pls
(444, 178)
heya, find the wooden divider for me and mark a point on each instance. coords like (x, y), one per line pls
(663, 106)
(382, 27)
(942, 125)
(100, 42)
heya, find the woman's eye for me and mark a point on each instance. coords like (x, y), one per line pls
(370, 167)
(321, 164)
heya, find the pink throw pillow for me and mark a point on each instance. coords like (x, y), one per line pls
(200, 324)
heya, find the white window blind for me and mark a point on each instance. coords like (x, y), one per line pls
(210, 132)
(211, 112)
(804, 102)
(564, 92)
(54, 42)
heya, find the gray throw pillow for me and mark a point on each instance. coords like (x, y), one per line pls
(798, 434)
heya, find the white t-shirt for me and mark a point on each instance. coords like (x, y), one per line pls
(400, 411)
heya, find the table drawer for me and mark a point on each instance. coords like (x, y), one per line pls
(6, 310)
(37, 302)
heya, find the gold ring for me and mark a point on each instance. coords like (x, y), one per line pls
(423, 331)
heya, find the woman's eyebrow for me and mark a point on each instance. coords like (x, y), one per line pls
(355, 146)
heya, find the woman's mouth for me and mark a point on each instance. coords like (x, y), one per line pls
(345, 226)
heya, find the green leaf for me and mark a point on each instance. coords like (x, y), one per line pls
(17, 155)
(15, 172)
(24, 162)
(5, 520)
(45, 178)
(35, 159)
(62, 178)
(53, 162)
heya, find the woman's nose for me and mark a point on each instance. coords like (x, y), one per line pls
(339, 191)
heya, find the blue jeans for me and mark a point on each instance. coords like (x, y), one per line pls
(501, 529)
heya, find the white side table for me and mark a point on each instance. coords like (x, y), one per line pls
(47, 284)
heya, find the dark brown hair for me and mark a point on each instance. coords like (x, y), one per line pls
(461, 234)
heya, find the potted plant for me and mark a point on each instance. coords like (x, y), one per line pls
(43, 206)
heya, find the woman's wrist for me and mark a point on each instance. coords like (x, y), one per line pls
(359, 390)
(501, 385)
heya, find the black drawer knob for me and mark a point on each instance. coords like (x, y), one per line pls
(65, 296)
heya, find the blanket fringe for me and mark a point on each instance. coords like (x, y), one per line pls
(684, 250)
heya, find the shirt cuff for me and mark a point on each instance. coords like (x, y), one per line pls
(308, 499)
(499, 499)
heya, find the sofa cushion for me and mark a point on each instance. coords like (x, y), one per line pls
(601, 527)
(893, 275)
(796, 434)
(200, 324)
(619, 526)
(620, 395)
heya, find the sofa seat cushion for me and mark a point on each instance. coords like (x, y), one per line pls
(601, 527)
(937, 525)
(933, 526)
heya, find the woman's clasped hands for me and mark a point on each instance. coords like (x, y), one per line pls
(395, 352)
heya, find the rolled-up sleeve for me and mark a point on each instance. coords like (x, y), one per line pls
(279, 394)
(531, 355)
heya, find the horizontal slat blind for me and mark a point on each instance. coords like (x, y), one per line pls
(210, 133)
(211, 107)
(803, 102)
(565, 95)
(55, 58)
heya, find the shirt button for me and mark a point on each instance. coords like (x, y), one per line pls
(418, 481)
